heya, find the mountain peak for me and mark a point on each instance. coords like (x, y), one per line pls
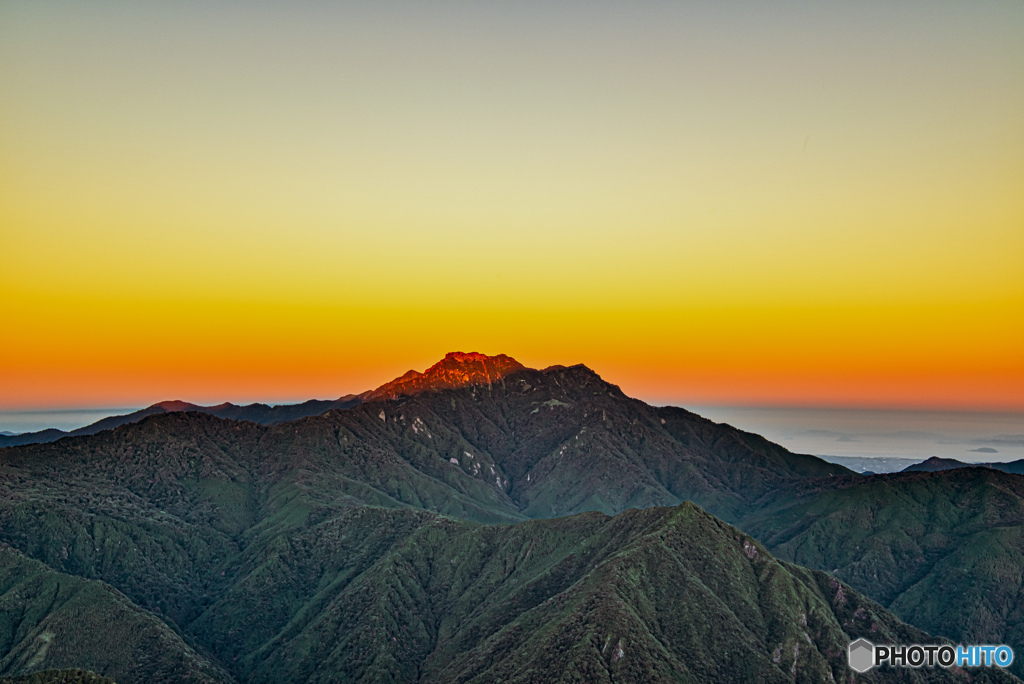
(470, 357)
(175, 405)
(935, 464)
(456, 369)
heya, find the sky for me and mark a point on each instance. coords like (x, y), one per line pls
(793, 203)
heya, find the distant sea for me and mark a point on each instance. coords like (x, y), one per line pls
(892, 439)
(62, 419)
(861, 439)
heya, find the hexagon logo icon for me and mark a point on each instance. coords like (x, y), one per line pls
(862, 655)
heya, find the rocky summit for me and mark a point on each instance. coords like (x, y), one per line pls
(456, 369)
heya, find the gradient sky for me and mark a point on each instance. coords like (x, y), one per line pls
(815, 203)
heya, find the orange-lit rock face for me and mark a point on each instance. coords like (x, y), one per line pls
(456, 369)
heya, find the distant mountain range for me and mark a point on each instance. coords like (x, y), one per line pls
(257, 413)
(482, 522)
(936, 464)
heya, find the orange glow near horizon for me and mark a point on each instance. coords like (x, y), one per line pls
(135, 355)
(730, 205)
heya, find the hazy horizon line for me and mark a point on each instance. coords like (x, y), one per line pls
(658, 402)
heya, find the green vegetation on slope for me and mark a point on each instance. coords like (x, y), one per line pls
(943, 550)
(364, 593)
(536, 444)
(659, 595)
(50, 620)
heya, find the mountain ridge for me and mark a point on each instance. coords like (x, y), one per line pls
(456, 369)
(533, 437)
